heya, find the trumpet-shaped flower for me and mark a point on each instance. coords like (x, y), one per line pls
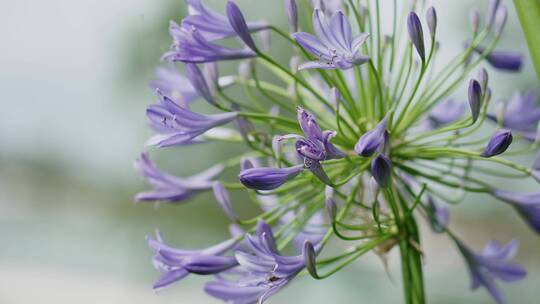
(522, 114)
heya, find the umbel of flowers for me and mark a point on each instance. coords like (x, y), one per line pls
(358, 138)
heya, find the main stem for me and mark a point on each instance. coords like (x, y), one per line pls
(411, 263)
(529, 17)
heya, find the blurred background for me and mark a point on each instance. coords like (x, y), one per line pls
(73, 79)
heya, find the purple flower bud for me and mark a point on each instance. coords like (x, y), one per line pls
(371, 140)
(266, 178)
(208, 264)
(503, 60)
(238, 23)
(492, 8)
(414, 26)
(431, 18)
(500, 19)
(499, 142)
(483, 79)
(223, 199)
(474, 18)
(310, 257)
(381, 168)
(211, 75)
(475, 98)
(198, 82)
(329, 202)
(292, 15)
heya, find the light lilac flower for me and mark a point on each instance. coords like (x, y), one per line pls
(444, 113)
(176, 264)
(431, 18)
(199, 82)
(189, 45)
(222, 197)
(371, 140)
(493, 263)
(522, 114)
(179, 126)
(268, 178)
(173, 84)
(171, 188)
(212, 25)
(499, 142)
(527, 205)
(263, 271)
(335, 46)
(438, 215)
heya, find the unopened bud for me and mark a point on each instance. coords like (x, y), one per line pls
(500, 19)
(416, 34)
(475, 98)
(431, 18)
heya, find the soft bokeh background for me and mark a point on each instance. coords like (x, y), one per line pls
(73, 79)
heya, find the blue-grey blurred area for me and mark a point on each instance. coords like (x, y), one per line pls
(73, 79)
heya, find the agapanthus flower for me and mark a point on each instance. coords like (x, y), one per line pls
(178, 126)
(212, 25)
(263, 270)
(521, 114)
(527, 205)
(335, 46)
(491, 264)
(171, 188)
(176, 264)
(330, 149)
(190, 46)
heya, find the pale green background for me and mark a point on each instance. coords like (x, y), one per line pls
(73, 79)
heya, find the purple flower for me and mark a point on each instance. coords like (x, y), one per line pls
(172, 188)
(475, 98)
(329, 7)
(263, 271)
(175, 85)
(331, 151)
(308, 124)
(416, 34)
(178, 126)
(176, 264)
(189, 45)
(335, 46)
(522, 114)
(199, 83)
(381, 168)
(445, 112)
(371, 140)
(499, 142)
(238, 23)
(438, 215)
(212, 25)
(527, 205)
(222, 197)
(292, 14)
(267, 178)
(503, 60)
(493, 263)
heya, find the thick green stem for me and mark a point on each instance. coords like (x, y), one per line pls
(529, 16)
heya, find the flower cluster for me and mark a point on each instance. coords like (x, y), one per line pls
(357, 138)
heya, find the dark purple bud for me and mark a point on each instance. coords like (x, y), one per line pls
(431, 18)
(198, 81)
(238, 23)
(500, 19)
(499, 142)
(414, 26)
(371, 140)
(329, 203)
(292, 15)
(475, 98)
(310, 257)
(208, 264)
(316, 168)
(483, 79)
(308, 124)
(492, 8)
(503, 60)
(223, 199)
(474, 18)
(381, 168)
(266, 178)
